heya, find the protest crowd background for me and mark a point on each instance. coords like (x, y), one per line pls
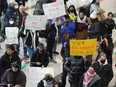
(57, 43)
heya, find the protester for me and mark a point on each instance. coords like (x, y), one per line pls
(30, 42)
(6, 59)
(95, 6)
(81, 25)
(40, 57)
(107, 47)
(76, 66)
(94, 29)
(20, 16)
(51, 40)
(47, 81)
(9, 12)
(10, 26)
(104, 70)
(14, 76)
(109, 24)
(71, 13)
(90, 79)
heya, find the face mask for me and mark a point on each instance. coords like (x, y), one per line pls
(11, 22)
(71, 10)
(103, 61)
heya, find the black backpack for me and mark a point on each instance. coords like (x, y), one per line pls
(87, 10)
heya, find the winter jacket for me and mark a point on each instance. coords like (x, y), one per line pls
(42, 58)
(10, 77)
(95, 82)
(3, 6)
(94, 31)
(5, 61)
(52, 31)
(76, 67)
(110, 24)
(44, 83)
(69, 28)
(105, 72)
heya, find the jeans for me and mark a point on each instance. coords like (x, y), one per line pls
(30, 50)
(24, 47)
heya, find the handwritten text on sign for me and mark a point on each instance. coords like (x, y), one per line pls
(12, 35)
(55, 9)
(82, 47)
(34, 22)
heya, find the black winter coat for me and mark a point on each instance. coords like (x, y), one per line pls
(5, 62)
(105, 72)
(42, 58)
(76, 66)
(95, 82)
(52, 31)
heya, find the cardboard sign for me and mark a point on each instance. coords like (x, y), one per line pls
(11, 35)
(36, 74)
(55, 9)
(35, 22)
(82, 47)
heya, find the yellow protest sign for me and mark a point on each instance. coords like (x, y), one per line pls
(82, 47)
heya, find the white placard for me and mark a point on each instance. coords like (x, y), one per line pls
(36, 74)
(35, 22)
(11, 35)
(54, 10)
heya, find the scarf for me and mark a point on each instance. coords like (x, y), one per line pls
(88, 77)
(72, 17)
(81, 20)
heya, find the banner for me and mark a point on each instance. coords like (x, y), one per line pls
(35, 22)
(82, 47)
(55, 9)
(11, 35)
(36, 74)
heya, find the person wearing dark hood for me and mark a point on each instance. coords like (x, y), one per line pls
(90, 79)
(76, 66)
(14, 77)
(94, 29)
(47, 81)
(40, 57)
(104, 70)
(6, 60)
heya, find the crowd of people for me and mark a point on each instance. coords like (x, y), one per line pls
(82, 71)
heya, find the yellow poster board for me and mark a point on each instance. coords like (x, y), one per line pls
(82, 47)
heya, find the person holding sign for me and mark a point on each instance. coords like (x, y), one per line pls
(76, 66)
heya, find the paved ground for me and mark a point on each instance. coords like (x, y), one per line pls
(107, 5)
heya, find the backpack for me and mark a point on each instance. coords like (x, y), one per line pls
(87, 10)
